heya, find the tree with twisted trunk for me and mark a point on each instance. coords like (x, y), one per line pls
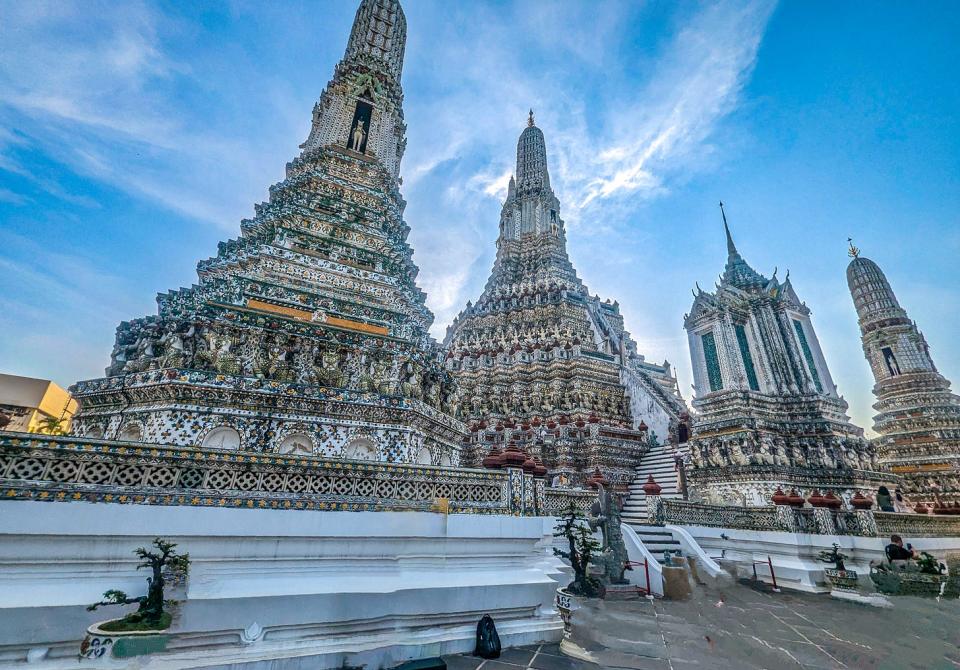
(150, 614)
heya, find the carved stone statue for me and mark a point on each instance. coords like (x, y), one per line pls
(606, 516)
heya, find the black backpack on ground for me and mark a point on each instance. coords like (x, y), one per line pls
(488, 642)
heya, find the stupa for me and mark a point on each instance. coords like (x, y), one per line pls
(541, 363)
(308, 333)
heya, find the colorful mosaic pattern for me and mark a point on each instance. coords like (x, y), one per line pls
(747, 357)
(316, 299)
(537, 354)
(808, 355)
(713, 361)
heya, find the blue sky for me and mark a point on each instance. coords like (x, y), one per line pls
(134, 136)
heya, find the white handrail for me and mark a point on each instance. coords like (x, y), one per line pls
(637, 553)
(691, 547)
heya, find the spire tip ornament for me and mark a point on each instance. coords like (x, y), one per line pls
(530, 119)
(852, 252)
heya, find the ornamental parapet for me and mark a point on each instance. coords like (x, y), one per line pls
(558, 500)
(55, 468)
(811, 521)
(917, 525)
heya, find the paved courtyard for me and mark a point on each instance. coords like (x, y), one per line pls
(736, 626)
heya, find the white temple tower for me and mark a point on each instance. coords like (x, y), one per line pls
(918, 418)
(767, 412)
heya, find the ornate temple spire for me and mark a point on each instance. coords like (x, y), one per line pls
(731, 247)
(361, 109)
(852, 251)
(738, 272)
(532, 172)
(918, 418)
(874, 300)
(380, 32)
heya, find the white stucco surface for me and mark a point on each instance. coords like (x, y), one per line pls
(322, 585)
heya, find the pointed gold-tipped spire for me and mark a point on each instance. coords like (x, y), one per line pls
(852, 252)
(731, 247)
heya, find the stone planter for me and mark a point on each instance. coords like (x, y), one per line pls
(841, 580)
(908, 583)
(566, 603)
(99, 644)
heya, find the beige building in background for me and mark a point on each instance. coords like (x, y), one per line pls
(29, 402)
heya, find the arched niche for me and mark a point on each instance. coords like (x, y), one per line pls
(130, 432)
(297, 444)
(361, 449)
(446, 461)
(223, 437)
(424, 457)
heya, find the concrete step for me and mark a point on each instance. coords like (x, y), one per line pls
(658, 458)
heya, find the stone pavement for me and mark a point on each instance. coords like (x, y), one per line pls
(738, 626)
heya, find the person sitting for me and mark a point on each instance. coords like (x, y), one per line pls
(900, 504)
(897, 552)
(884, 501)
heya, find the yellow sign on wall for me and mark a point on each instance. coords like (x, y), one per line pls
(319, 317)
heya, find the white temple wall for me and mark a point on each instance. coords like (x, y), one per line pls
(795, 555)
(701, 385)
(643, 406)
(323, 588)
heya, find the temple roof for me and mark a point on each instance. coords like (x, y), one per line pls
(738, 272)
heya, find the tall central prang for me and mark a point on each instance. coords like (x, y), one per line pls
(543, 365)
(307, 333)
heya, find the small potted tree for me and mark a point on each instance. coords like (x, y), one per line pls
(140, 632)
(838, 577)
(581, 546)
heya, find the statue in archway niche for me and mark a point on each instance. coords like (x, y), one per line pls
(605, 515)
(358, 135)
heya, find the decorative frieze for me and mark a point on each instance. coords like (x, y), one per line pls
(70, 469)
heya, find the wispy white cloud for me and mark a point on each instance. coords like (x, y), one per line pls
(100, 91)
(7, 195)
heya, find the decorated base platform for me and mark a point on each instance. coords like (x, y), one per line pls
(277, 589)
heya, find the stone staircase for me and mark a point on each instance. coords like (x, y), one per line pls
(659, 462)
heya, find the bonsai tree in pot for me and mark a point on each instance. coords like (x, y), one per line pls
(838, 577)
(151, 614)
(833, 556)
(581, 547)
